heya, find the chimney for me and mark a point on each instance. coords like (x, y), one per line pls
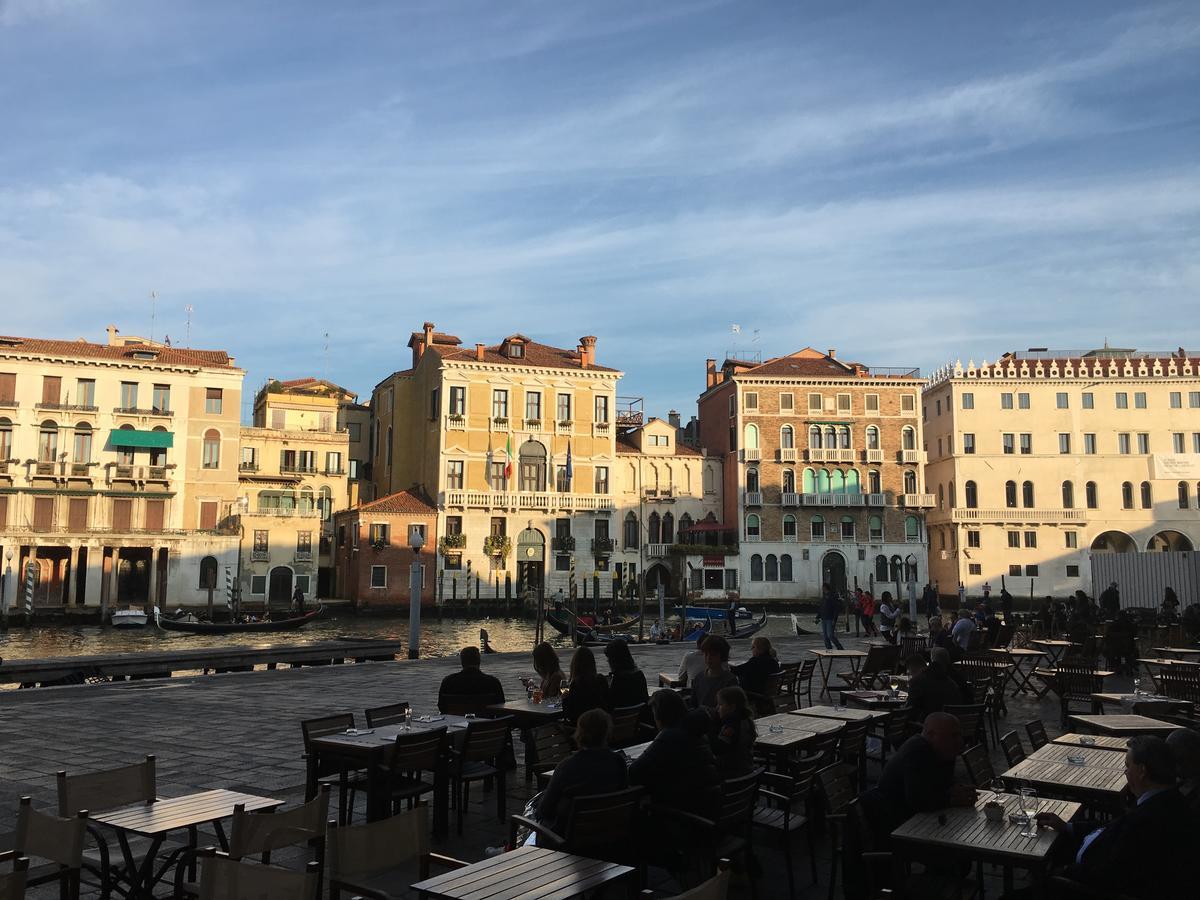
(479, 352)
(711, 372)
(673, 419)
(113, 331)
(832, 353)
(587, 351)
(428, 326)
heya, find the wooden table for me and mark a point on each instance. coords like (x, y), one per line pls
(843, 715)
(1152, 665)
(526, 872)
(967, 833)
(874, 700)
(1048, 679)
(1126, 701)
(158, 819)
(1104, 741)
(792, 733)
(528, 713)
(1190, 654)
(1124, 725)
(1087, 783)
(1102, 757)
(1024, 661)
(1053, 648)
(667, 680)
(825, 659)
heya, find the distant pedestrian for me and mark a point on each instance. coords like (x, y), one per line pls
(298, 600)
(731, 616)
(867, 604)
(889, 613)
(827, 615)
(932, 605)
(1006, 605)
(1110, 601)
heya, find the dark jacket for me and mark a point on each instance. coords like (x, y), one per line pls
(595, 770)
(831, 606)
(678, 771)
(628, 689)
(752, 674)
(705, 687)
(585, 695)
(931, 691)
(914, 780)
(732, 743)
(471, 682)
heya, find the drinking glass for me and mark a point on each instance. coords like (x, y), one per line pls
(408, 715)
(894, 683)
(1029, 808)
(564, 689)
(1137, 685)
(998, 787)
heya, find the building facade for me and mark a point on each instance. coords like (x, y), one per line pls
(118, 471)
(822, 468)
(373, 554)
(1041, 459)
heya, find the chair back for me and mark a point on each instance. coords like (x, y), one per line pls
(979, 766)
(1037, 734)
(1181, 681)
(912, 643)
(825, 747)
(879, 660)
(852, 739)
(462, 704)
(315, 728)
(807, 668)
(390, 714)
(716, 888)
(50, 837)
(485, 739)
(735, 809)
(553, 745)
(108, 789)
(597, 822)
(357, 850)
(1013, 751)
(12, 884)
(253, 833)
(837, 784)
(417, 751)
(1077, 682)
(795, 785)
(222, 878)
(895, 727)
(969, 716)
(625, 721)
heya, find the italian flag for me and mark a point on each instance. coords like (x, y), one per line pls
(508, 457)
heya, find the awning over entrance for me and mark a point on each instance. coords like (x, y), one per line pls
(131, 437)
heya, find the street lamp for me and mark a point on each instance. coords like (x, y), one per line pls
(416, 540)
(8, 555)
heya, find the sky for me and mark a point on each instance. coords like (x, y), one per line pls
(911, 183)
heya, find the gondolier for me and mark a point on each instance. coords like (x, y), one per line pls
(298, 599)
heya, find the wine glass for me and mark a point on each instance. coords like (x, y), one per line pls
(1029, 808)
(564, 689)
(1137, 685)
(894, 684)
(998, 787)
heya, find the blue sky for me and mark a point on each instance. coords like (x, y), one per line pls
(906, 182)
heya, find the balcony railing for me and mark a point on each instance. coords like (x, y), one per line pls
(260, 555)
(601, 429)
(338, 471)
(831, 454)
(787, 454)
(754, 498)
(456, 423)
(910, 456)
(298, 470)
(499, 423)
(304, 555)
(248, 467)
(565, 427)
(138, 473)
(789, 498)
(138, 411)
(65, 407)
(656, 551)
(563, 544)
(603, 546)
(921, 501)
(659, 493)
(540, 500)
(874, 456)
(533, 424)
(829, 499)
(1019, 515)
(8, 403)
(45, 468)
(751, 454)
(876, 499)
(288, 512)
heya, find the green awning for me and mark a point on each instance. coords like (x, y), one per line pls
(131, 437)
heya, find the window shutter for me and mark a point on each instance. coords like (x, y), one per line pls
(51, 389)
(208, 515)
(154, 514)
(43, 513)
(8, 386)
(122, 514)
(3, 513)
(77, 514)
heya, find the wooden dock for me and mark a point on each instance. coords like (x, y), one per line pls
(62, 670)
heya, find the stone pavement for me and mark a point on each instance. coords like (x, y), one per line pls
(241, 731)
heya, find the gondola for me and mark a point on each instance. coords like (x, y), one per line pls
(712, 612)
(196, 627)
(704, 626)
(562, 624)
(801, 631)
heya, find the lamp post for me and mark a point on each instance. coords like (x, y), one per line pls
(8, 555)
(416, 540)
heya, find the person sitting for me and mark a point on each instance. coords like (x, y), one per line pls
(627, 683)
(716, 674)
(470, 682)
(943, 659)
(963, 629)
(1191, 621)
(732, 740)
(753, 673)
(678, 766)
(930, 688)
(656, 632)
(545, 663)
(692, 663)
(1142, 853)
(588, 690)
(1185, 747)
(592, 769)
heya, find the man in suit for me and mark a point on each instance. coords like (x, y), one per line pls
(470, 682)
(1145, 852)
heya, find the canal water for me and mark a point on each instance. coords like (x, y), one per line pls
(438, 637)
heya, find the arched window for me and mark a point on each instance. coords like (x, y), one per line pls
(875, 526)
(630, 531)
(753, 529)
(1068, 495)
(1089, 491)
(848, 528)
(941, 496)
(874, 481)
(910, 481)
(654, 528)
(48, 441)
(1127, 495)
(752, 479)
(908, 438)
(531, 466)
(83, 444)
(789, 527)
(208, 573)
(837, 481)
(325, 502)
(6, 432)
(1147, 499)
(1184, 495)
(818, 528)
(772, 567)
(844, 437)
(668, 528)
(685, 526)
(881, 568)
(971, 495)
(1027, 494)
(756, 568)
(950, 495)
(789, 481)
(853, 486)
(787, 437)
(872, 437)
(831, 441)
(785, 567)
(306, 501)
(897, 568)
(814, 437)
(912, 529)
(751, 437)
(211, 449)
(823, 481)
(158, 455)
(809, 481)
(1010, 494)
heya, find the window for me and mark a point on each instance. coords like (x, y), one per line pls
(214, 401)
(1123, 442)
(1014, 539)
(772, 567)
(844, 436)
(499, 404)
(83, 444)
(1194, 399)
(1090, 495)
(787, 438)
(601, 479)
(872, 437)
(752, 437)
(5, 438)
(843, 403)
(1177, 442)
(333, 463)
(1139, 400)
(785, 567)
(968, 443)
(971, 492)
(1089, 444)
(1031, 539)
(533, 406)
(874, 481)
(85, 392)
(381, 533)
(1089, 400)
(602, 410)
(1014, 571)
(1184, 496)
(458, 402)
(262, 542)
(756, 567)
(848, 529)
(1060, 400)
(910, 482)
(1008, 441)
(8, 387)
(871, 403)
(563, 408)
(1071, 540)
(1064, 443)
(304, 544)
(1122, 400)
(912, 530)
(881, 568)
(1147, 499)
(211, 450)
(1022, 401)
(162, 398)
(129, 392)
(454, 474)
(750, 401)
(435, 405)
(787, 402)
(258, 584)
(938, 408)
(562, 482)
(1031, 571)
(496, 476)
(875, 529)
(814, 403)
(968, 400)
(1026, 444)
(1072, 571)
(974, 569)
(1027, 494)
(1068, 495)
(817, 528)
(1143, 442)
(1006, 401)
(908, 438)
(973, 539)
(379, 576)
(908, 403)
(752, 480)
(1196, 441)
(1176, 400)
(732, 405)
(1010, 494)
(1127, 495)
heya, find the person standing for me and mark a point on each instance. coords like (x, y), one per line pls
(867, 603)
(856, 611)
(1110, 601)
(298, 600)
(731, 616)
(1006, 605)
(932, 607)
(831, 608)
(889, 612)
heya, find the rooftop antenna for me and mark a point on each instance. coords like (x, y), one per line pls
(325, 363)
(188, 338)
(153, 311)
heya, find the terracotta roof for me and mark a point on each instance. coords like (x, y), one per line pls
(410, 501)
(439, 337)
(805, 364)
(535, 356)
(173, 356)
(310, 382)
(624, 446)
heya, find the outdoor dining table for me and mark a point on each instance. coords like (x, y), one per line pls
(157, 819)
(526, 715)
(874, 700)
(1104, 741)
(1124, 725)
(1161, 704)
(1024, 661)
(1048, 678)
(843, 714)
(782, 734)
(1103, 757)
(825, 660)
(1054, 648)
(1153, 664)
(526, 872)
(966, 832)
(1190, 654)
(1088, 783)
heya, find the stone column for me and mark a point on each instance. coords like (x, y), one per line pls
(114, 598)
(152, 580)
(95, 575)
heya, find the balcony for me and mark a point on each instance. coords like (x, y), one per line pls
(603, 546)
(516, 500)
(917, 501)
(304, 556)
(8, 403)
(876, 499)
(910, 456)
(287, 512)
(1030, 516)
(298, 470)
(830, 454)
(138, 411)
(45, 469)
(665, 494)
(339, 471)
(753, 498)
(456, 422)
(563, 543)
(751, 454)
(260, 555)
(601, 429)
(498, 423)
(533, 424)
(565, 427)
(787, 454)
(789, 499)
(248, 467)
(657, 551)
(64, 407)
(833, 499)
(873, 456)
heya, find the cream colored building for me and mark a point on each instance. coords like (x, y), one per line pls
(294, 474)
(1041, 459)
(118, 471)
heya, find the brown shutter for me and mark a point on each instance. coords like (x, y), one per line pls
(154, 515)
(43, 513)
(77, 514)
(51, 389)
(208, 515)
(8, 386)
(3, 512)
(122, 515)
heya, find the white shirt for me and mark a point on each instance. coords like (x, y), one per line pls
(962, 632)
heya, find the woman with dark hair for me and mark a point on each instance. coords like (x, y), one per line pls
(587, 690)
(678, 766)
(754, 672)
(545, 663)
(627, 683)
(732, 742)
(592, 769)
(716, 674)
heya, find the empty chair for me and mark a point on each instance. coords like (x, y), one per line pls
(786, 699)
(477, 760)
(597, 826)
(545, 747)
(895, 730)
(1076, 684)
(1037, 734)
(1013, 751)
(56, 840)
(838, 791)
(877, 666)
(413, 754)
(391, 714)
(463, 704)
(1181, 681)
(910, 644)
(625, 725)
(12, 884)
(852, 747)
(318, 770)
(970, 716)
(804, 680)
(730, 831)
(783, 810)
(376, 859)
(979, 766)
(222, 878)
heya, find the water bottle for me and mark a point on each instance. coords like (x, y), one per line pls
(408, 719)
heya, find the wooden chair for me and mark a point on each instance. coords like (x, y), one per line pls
(787, 700)
(626, 730)
(58, 841)
(1181, 681)
(1014, 753)
(1037, 734)
(716, 888)
(222, 878)
(414, 753)
(12, 884)
(477, 760)
(876, 667)
(804, 680)
(979, 766)
(376, 859)
(970, 716)
(767, 703)
(348, 781)
(1075, 683)
(391, 714)
(893, 731)
(550, 744)
(837, 790)
(873, 870)
(730, 832)
(598, 826)
(911, 644)
(852, 748)
(462, 705)
(783, 810)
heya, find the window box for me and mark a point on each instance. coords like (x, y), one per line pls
(603, 546)
(449, 542)
(564, 544)
(498, 545)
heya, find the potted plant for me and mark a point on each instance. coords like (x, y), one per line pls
(451, 542)
(565, 543)
(497, 545)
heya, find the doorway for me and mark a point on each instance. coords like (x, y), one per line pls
(656, 575)
(279, 592)
(833, 570)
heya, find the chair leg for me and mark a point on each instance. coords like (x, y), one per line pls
(501, 799)
(834, 851)
(812, 851)
(787, 856)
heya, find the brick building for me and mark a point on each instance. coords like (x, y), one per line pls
(372, 554)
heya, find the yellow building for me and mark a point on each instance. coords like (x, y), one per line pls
(294, 475)
(1041, 459)
(516, 442)
(118, 471)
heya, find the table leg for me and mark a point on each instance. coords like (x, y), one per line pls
(1023, 686)
(378, 803)
(441, 799)
(142, 877)
(825, 664)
